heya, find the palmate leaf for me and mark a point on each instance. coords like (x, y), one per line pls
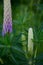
(12, 51)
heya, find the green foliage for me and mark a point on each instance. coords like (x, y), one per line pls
(13, 49)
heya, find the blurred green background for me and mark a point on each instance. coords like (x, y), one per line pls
(25, 14)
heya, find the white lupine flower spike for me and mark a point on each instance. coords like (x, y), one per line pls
(30, 42)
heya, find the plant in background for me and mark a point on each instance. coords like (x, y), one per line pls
(23, 39)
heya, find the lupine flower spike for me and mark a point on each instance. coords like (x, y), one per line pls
(7, 24)
(30, 42)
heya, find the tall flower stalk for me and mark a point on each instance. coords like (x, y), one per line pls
(7, 20)
(30, 42)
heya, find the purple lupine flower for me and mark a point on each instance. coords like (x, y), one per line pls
(7, 24)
